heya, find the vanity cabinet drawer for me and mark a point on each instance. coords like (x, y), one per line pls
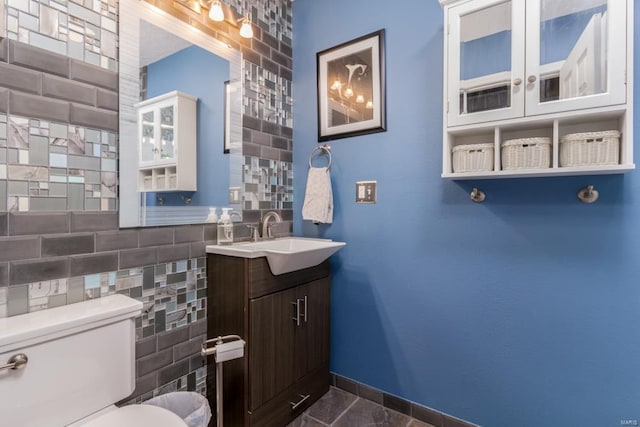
(280, 410)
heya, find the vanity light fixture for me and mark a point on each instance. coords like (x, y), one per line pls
(246, 30)
(215, 12)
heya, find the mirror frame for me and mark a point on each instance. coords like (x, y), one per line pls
(131, 212)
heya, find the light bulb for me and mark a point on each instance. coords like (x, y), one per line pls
(349, 92)
(369, 105)
(216, 13)
(336, 85)
(360, 99)
(246, 31)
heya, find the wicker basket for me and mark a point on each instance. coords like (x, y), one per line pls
(473, 157)
(526, 153)
(590, 148)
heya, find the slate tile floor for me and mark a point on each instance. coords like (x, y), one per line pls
(339, 408)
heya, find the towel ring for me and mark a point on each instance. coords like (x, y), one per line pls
(324, 149)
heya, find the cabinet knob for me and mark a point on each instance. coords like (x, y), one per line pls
(531, 79)
(517, 82)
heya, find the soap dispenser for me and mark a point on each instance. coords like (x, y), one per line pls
(213, 215)
(225, 228)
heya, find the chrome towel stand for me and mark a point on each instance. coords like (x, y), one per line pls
(323, 149)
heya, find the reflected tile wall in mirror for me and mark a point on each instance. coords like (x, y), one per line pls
(273, 17)
(268, 184)
(83, 30)
(267, 96)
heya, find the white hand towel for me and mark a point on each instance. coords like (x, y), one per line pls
(318, 199)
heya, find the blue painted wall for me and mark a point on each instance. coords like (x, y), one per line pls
(522, 311)
(202, 74)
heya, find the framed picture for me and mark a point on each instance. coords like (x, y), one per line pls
(351, 88)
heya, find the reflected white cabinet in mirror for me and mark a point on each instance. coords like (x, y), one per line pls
(160, 54)
(167, 143)
(546, 77)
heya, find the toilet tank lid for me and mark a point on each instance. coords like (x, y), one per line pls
(27, 329)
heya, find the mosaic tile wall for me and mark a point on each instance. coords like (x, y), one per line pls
(84, 30)
(49, 166)
(268, 184)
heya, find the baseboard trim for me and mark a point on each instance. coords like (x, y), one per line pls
(407, 407)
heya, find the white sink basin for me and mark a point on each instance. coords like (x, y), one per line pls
(283, 255)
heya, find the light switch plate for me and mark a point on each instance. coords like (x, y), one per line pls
(234, 195)
(366, 191)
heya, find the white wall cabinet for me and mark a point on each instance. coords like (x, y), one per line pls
(167, 136)
(518, 69)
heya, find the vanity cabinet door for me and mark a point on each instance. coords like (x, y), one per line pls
(272, 354)
(313, 335)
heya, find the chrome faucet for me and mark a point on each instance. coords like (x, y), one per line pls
(266, 227)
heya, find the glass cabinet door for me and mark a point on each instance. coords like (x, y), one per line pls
(486, 61)
(575, 54)
(147, 140)
(167, 124)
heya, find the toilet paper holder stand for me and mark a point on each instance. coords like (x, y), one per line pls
(224, 348)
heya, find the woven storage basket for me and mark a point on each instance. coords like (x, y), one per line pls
(526, 153)
(473, 157)
(590, 148)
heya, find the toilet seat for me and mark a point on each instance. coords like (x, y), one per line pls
(137, 416)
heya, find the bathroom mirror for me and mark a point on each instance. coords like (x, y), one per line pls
(161, 56)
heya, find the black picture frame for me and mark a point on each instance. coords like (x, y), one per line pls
(351, 88)
(226, 140)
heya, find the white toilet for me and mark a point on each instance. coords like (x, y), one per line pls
(81, 360)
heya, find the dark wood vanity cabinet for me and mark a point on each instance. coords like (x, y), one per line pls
(285, 321)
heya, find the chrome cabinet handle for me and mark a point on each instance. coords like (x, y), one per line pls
(305, 309)
(297, 318)
(531, 79)
(517, 82)
(17, 361)
(295, 406)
